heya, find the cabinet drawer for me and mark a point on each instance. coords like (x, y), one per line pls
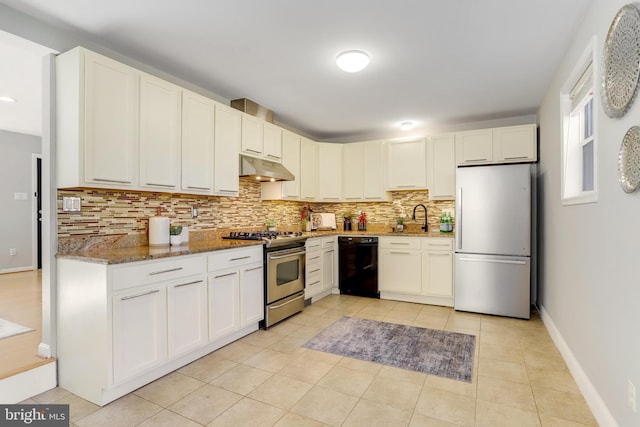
(313, 279)
(234, 257)
(438, 244)
(156, 271)
(329, 243)
(313, 244)
(400, 243)
(313, 261)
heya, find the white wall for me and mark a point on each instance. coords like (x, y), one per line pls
(16, 176)
(590, 254)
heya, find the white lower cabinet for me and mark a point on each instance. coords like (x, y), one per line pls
(139, 331)
(416, 269)
(122, 326)
(224, 294)
(321, 267)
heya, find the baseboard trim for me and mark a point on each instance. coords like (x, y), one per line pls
(17, 269)
(22, 386)
(596, 404)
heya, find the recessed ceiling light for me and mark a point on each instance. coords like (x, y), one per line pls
(352, 61)
(7, 99)
(406, 125)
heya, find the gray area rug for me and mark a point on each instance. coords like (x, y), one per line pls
(442, 353)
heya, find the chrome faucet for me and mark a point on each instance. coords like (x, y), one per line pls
(425, 227)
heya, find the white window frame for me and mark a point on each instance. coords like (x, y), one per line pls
(571, 154)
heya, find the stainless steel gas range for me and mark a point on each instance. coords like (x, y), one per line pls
(284, 258)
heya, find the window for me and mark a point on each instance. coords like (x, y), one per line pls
(578, 135)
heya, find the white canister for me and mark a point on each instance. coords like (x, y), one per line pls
(158, 231)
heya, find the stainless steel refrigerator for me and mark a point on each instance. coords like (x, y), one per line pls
(494, 218)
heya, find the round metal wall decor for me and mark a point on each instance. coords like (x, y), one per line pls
(629, 160)
(621, 61)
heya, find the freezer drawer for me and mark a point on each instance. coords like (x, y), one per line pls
(492, 284)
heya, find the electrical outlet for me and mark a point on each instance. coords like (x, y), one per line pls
(13, 252)
(631, 395)
(71, 204)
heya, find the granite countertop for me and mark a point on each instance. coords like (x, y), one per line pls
(108, 253)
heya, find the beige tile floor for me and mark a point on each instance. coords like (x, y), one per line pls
(268, 379)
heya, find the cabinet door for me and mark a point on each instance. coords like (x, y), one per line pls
(328, 269)
(406, 166)
(187, 315)
(329, 171)
(252, 135)
(438, 273)
(352, 171)
(226, 167)
(110, 122)
(373, 171)
(400, 271)
(224, 308)
(515, 143)
(272, 142)
(160, 118)
(251, 294)
(198, 115)
(308, 169)
(291, 161)
(474, 147)
(139, 331)
(441, 172)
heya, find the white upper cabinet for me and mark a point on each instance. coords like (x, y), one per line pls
(198, 115)
(499, 145)
(441, 167)
(97, 121)
(252, 135)
(406, 165)
(353, 171)
(308, 170)
(226, 165)
(272, 142)
(329, 171)
(373, 171)
(515, 144)
(286, 190)
(160, 122)
(261, 139)
(474, 147)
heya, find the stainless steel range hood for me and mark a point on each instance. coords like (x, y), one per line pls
(264, 170)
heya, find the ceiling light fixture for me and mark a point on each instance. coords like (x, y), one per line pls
(352, 61)
(7, 99)
(406, 125)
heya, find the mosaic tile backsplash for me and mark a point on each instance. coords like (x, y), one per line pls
(117, 213)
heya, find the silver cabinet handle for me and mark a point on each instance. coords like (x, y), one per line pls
(437, 244)
(405, 186)
(286, 303)
(160, 185)
(226, 191)
(225, 275)
(399, 243)
(459, 219)
(273, 157)
(313, 271)
(496, 261)
(165, 271)
(400, 253)
(315, 257)
(516, 157)
(188, 283)
(155, 291)
(288, 255)
(111, 180)
(198, 188)
(314, 283)
(254, 268)
(475, 160)
(253, 151)
(238, 259)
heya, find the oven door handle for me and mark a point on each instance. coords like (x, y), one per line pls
(273, 307)
(287, 255)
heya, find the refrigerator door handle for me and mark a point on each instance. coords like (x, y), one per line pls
(459, 218)
(498, 261)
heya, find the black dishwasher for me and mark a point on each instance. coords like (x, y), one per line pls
(359, 266)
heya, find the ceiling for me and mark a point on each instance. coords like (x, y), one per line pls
(439, 64)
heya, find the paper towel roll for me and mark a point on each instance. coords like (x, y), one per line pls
(158, 230)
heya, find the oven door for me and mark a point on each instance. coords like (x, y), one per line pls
(285, 273)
